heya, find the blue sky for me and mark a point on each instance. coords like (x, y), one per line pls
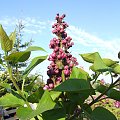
(94, 24)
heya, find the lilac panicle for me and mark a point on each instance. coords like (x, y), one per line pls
(62, 61)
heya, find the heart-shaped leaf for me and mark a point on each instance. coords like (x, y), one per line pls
(98, 63)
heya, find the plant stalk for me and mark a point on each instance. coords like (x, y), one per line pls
(9, 69)
(111, 85)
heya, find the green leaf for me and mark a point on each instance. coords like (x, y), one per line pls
(10, 100)
(29, 87)
(33, 64)
(5, 85)
(109, 62)
(89, 57)
(79, 73)
(99, 65)
(12, 38)
(36, 96)
(87, 108)
(45, 103)
(35, 48)
(25, 113)
(18, 56)
(54, 94)
(6, 44)
(116, 69)
(56, 114)
(112, 93)
(73, 85)
(100, 113)
(78, 98)
(1, 61)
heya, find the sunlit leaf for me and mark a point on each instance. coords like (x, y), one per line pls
(33, 64)
(54, 94)
(79, 73)
(35, 48)
(6, 43)
(18, 56)
(89, 57)
(98, 63)
(45, 103)
(116, 69)
(10, 100)
(5, 85)
(109, 62)
(12, 38)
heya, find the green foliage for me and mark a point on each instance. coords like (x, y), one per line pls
(35, 48)
(101, 113)
(73, 99)
(112, 93)
(18, 56)
(36, 96)
(55, 114)
(6, 42)
(5, 85)
(98, 63)
(79, 73)
(12, 38)
(109, 62)
(10, 100)
(116, 69)
(73, 85)
(34, 63)
(45, 103)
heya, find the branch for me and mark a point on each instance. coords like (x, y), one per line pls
(111, 86)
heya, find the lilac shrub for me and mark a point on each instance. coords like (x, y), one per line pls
(61, 59)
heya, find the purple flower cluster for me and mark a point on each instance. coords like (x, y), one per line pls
(62, 61)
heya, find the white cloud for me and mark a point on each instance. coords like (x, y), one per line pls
(108, 48)
(32, 25)
(92, 43)
(30, 31)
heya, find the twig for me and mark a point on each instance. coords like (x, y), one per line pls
(111, 85)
